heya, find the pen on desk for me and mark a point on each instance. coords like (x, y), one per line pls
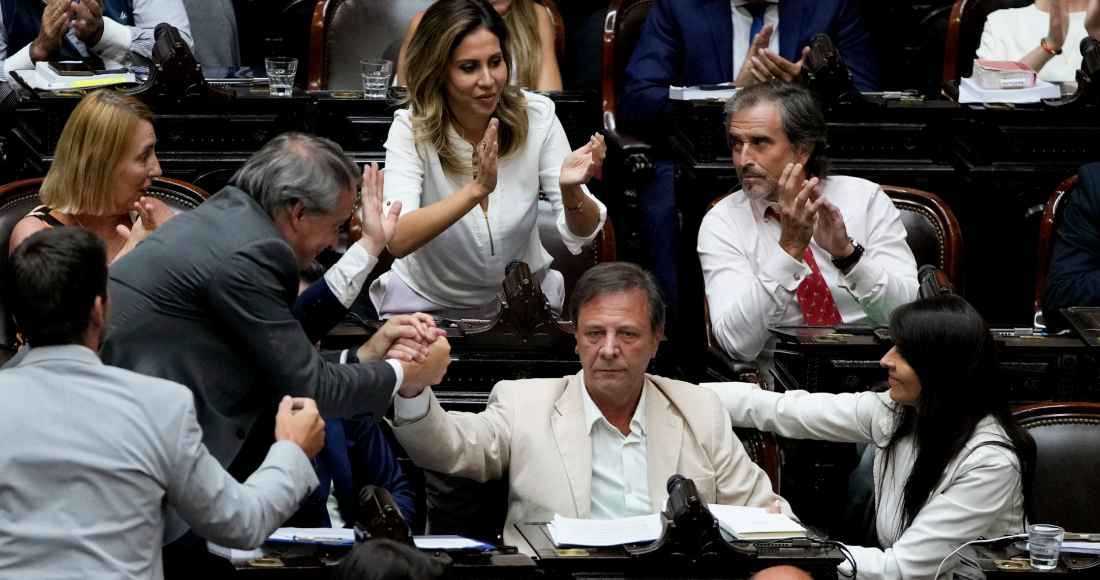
(315, 540)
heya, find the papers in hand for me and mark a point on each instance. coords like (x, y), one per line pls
(331, 536)
(702, 93)
(970, 92)
(575, 532)
(754, 523)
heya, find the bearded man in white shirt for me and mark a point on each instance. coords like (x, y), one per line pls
(602, 443)
(796, 246)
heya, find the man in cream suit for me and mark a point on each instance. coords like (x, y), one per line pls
(602, 443)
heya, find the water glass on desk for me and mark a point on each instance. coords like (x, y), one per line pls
(280, 75)
(1044, 542)
(376, 77)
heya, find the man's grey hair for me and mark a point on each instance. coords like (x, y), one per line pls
(615, 277)
(801, 116)
(295, 167)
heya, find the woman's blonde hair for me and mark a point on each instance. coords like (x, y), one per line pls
(94, 141)
(441, 30)
(523, 25)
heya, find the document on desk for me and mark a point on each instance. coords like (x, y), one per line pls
(576, 532)
(334, 536)
(755, 523)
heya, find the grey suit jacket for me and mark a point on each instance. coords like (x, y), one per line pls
(535, 431)
(91, 457)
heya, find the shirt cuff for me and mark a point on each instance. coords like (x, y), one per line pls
(21, 60)
(412, 409)
(862, 279)
(115, 42)
(347, 276)
(785, 270)
(400, 372)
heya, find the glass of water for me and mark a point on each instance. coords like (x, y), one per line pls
(1044, 542)
(280, 75)
(376, 77)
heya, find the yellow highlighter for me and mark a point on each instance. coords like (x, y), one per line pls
(99, 82)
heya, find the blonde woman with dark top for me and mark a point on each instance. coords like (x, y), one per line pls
(467, 159)
(535, 62)
(104, 162)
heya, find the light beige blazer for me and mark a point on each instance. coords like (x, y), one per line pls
(535, 431)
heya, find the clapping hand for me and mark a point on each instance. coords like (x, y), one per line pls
(767, 66)
(581, 165)
(799, 201)
(88, 21)
(376, 230)
(1059, 24)
(55, 24)
(1092, 19)
(486, 177)
(829, 230)
(146, 222)
(746, 77)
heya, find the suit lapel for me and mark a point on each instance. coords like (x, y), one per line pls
(664, 432)
(719, 17)
(574, 445)
(790, 29)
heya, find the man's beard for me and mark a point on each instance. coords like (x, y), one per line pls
(758, 190)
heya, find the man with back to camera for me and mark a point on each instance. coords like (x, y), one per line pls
(51, 30)
(796, 246)
(599, 444)
(93, 455)
(707, 42)
(206, 302)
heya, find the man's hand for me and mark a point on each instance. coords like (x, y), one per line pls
(419, 376)
(55, 24)
(1092, 19)
(797, 209)
(298, 420)
(88, 21)
(397, 337)
(829, 230)
(768, 66)
(376, 230)
(745, 78)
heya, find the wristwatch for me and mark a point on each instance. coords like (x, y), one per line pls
(850, 260)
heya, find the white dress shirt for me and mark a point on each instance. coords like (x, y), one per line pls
(463, 266)
(1011, 33)
(981, 493)
(117, 39)
(620, 474)
(742, 25)
(751, 283)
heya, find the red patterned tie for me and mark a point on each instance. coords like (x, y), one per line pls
(814, 298)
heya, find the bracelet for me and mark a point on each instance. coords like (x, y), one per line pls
(1046, 47)
(567, 208)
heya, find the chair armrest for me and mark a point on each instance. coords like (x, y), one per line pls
(724, 368)
(933, 282)
(625, 142)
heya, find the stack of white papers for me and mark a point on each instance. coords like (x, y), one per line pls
(701, 93)
(575, 532)
(754, 523)
(970, 92)
(449, 543)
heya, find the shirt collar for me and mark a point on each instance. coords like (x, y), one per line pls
(744, 2)
(592, 413)
(75, 352)
(761, 205)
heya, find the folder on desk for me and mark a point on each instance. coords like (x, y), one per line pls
(755, 523)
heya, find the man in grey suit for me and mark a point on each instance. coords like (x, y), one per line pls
(92, 454)
(206, 301)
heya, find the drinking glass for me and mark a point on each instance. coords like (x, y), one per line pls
(376, 77)
(1044, 542)
(280, 75)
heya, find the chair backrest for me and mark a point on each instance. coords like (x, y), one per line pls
(345, 32)
(1065, 488)
(1048, 229)
(621, 28)
(19, 198)
(932, 231)
(964, 33)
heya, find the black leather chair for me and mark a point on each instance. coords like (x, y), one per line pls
(345, 32)
(964, 34)
(19, 198)
(1053, 214)
(932, 232)
(1066, 484)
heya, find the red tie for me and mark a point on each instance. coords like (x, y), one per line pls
(814, 298)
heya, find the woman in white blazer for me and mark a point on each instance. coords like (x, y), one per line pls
(467, 159)
(951, 463)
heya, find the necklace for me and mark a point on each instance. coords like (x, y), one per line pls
(78, 222)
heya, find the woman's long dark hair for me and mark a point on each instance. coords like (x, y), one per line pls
(950, 347)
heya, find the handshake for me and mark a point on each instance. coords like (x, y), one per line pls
(420, 347)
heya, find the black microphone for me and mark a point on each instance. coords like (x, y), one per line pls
(1090, 58)
(682, 496)
(378, 516)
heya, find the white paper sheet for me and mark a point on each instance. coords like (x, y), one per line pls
(337, 536)
(449, 543)
(576, 532)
